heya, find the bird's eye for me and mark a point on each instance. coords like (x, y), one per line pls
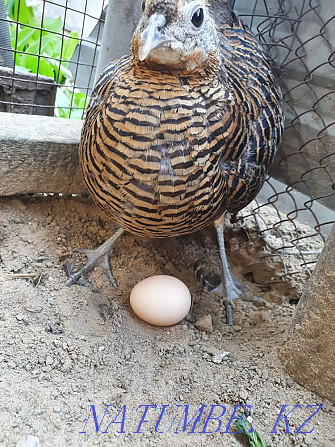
(198, 17)
(143, 5)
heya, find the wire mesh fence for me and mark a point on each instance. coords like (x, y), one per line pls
(46, 41)
(52, 49)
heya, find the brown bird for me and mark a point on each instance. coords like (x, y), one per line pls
(181, 130)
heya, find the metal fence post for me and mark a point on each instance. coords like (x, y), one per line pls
(121, 20)
(6, 57)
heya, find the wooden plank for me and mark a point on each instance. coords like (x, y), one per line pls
(39, 154)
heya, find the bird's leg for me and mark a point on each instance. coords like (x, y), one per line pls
(95, 257)
(230, 288)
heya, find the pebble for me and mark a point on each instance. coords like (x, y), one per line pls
(211, 350)
(290, 382)
(243, 395)
(57, 408)
(49, 360)
(23, 318)
(28, 441)
(204, 324)
(19, 204)
(218, 358)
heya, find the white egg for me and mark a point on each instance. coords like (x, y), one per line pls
(161, 300)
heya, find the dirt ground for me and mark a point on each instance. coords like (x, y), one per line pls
(65, 349)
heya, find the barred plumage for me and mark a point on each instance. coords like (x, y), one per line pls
(185, 127)
(166, 152)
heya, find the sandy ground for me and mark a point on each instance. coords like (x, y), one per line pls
(65, 349)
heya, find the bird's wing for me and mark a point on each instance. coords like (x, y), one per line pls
(90, 136)
(222, 11)
(103, 88)
(256, 119)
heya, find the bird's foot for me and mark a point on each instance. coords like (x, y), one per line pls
(235, 291)
(95, 257)
(72, 278)
(94, 260)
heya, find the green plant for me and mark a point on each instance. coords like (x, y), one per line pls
(41, 49)
(253, 437)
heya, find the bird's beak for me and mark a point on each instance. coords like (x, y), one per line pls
(152, 37)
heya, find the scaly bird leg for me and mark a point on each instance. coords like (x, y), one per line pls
(95, 257)
(231, 291)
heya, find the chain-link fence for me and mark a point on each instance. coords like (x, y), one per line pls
(50, 52)
(299, 38)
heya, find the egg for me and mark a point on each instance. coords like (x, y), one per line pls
(161, 300)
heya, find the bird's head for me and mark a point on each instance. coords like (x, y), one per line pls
(175, 34)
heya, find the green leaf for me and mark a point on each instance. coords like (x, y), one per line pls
(245, 427)
(45, 51)
(25, 37)
(23, 14)
(68, 98)
(69, 46)
(41, 45)
(80, 100)
(62, 104)
(37, 64)
(55, 25)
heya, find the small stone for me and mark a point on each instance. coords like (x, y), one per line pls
(290, 382)
(328, 406)
(28, 441)
(57, 408)
(205, 324)
(23, 318)
(211, 350)
(19, 204)
(243, 395)
(218, 358)
(49, 360)
(259, 317)
(41, 359)
(67, 364)
(169, 266)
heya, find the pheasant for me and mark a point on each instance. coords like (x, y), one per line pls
(182, 130)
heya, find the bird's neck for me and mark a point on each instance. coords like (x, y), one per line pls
(189, 68)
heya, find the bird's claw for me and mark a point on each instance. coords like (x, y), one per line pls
(93, 260)
(105, 264)
(74, 277)
(233, 292)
